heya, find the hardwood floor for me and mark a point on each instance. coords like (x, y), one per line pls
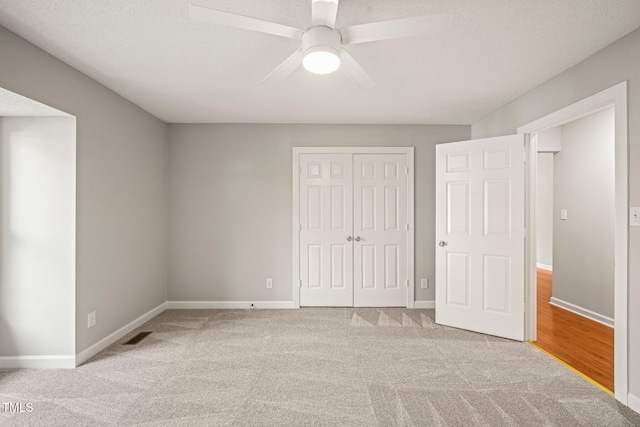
(584, 344)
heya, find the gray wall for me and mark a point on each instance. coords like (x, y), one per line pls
(549, 142)
(544, 209)
(617, 62)
(37, 235)
(584, 185)
(230, 203)
(121, 188)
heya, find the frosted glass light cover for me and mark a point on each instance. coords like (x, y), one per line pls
(321, 62)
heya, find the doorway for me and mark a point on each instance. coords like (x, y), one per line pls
(353, 227)
(616, 97)
(575, 233)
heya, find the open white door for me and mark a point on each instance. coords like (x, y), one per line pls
(480, 231)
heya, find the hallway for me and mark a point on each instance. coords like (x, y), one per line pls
(585, 345)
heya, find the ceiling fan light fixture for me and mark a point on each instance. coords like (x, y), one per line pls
(321, 60)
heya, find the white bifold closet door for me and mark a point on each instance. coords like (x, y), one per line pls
(380, 275)
(326, 221)
(353, 230)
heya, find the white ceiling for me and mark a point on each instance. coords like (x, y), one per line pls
(150, 52)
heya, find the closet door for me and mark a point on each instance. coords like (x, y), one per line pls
(380, 229)
(326, 223)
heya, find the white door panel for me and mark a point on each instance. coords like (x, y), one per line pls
(353, 214)
(380, 272)
(480, 232)
(326, 257)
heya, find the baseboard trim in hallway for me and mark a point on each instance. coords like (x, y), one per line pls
(580, 311)
(566, 365)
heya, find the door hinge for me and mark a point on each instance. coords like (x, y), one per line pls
(407, 170)
(299, 170)
(300, 228)
(407, 226)
(300, 282)
(407, 283)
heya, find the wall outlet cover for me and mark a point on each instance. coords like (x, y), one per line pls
(91, 319)
(269, 283)
(424, 283)
(634, 217)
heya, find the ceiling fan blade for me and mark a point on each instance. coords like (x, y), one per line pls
(285, 68)
(353, 70)
(397, 28)
(323, 12)
(212, 16)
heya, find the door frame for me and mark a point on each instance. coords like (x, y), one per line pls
(615, 96)
(297, 151)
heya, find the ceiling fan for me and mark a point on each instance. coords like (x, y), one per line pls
(322, 50)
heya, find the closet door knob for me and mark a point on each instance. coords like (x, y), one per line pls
(442, 243)
(357, 238)
(348, 238)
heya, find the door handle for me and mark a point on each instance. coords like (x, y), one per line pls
(442, 243)
(348, 238)
(357, 238)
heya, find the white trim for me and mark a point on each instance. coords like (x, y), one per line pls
(530, 247)
(409, 152)
(634, 402)
(352, 150)
(230, 304)
(424, 304)
(96, 348)
(411, 234)
(296, 227)
(38, 362)
(544, 267)
(585, 107)
(581, 311)
(616, 96)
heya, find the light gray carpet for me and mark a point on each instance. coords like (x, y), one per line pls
(308, 367)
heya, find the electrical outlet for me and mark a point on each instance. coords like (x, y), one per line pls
(424, 283)
(563, 214)
(634, 217)
(269, 283)
(91, 319)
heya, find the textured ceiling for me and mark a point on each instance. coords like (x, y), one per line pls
(150, 52)
(14, 105)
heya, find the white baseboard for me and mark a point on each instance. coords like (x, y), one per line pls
(592, 315)
(229, 304)
(38, 362)
(545, 266)
(96, 348)
(634, 402)
(424, 304)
